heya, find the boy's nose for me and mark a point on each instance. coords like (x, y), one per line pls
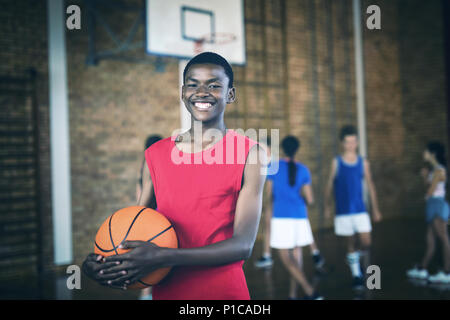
(202, 92)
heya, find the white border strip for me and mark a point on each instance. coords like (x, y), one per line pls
(59, 134)
(360, 87)
(185, 116)
(359, 65)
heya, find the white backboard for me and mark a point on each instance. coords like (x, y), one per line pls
(174, 26)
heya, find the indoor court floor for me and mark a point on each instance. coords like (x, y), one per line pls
(397, 245)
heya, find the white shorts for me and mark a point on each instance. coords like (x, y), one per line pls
(288, 233)
(349, 224)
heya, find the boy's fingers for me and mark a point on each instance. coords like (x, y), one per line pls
(131, 244)
(117, 258)
(107, 265)
(108, 284)
(92, 257)
(109, 277)
(91, 265)
(121, 278)
(114, 267)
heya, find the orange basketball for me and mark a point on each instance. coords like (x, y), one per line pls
(136, 223)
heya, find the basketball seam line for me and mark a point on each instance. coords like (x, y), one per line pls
(128, 231)
(126, 235)
(110, 234)
(145, 284)
(101, 249)
(152, 238)
(131, 225)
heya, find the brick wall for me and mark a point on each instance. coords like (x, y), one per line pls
(116, 104)
(406, 101)
(322, 84)
(23, 45)
(422, 80)
(384, 109)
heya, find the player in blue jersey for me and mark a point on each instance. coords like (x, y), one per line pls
(349, 171)
(290, 191)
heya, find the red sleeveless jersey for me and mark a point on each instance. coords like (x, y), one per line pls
(198, 192)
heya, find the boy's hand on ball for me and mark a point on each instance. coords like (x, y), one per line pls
(143, 258)
(138, 258)
(94, 266)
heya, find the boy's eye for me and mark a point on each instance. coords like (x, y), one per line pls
(211, 86)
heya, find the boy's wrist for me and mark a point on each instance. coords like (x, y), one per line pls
(169, 257)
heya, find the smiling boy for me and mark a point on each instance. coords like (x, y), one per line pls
(215, 208)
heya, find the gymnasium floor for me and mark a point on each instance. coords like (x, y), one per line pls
(397, 245)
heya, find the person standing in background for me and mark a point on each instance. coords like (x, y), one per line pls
(437, 213)
(348, 173)
(290, 192)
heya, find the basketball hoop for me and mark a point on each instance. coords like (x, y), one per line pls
(215, 39)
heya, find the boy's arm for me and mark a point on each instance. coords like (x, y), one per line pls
(329, 188)
(146, 257)
(148, 192)
(376, 215)
(139, 181)
(138, 191)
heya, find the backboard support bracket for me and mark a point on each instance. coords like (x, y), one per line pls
(95, 20)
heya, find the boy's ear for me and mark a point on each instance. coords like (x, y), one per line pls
(231, 96)
(182, 92)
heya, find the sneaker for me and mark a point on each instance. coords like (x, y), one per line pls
(440, 277)
(417, 273)
(264, 262)
(358, 283)
(318, 260)
(314, 296)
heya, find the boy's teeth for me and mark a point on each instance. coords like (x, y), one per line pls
(202, 105)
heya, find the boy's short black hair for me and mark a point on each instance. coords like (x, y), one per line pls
(348, 130)
(212, 58)
(151, 139)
